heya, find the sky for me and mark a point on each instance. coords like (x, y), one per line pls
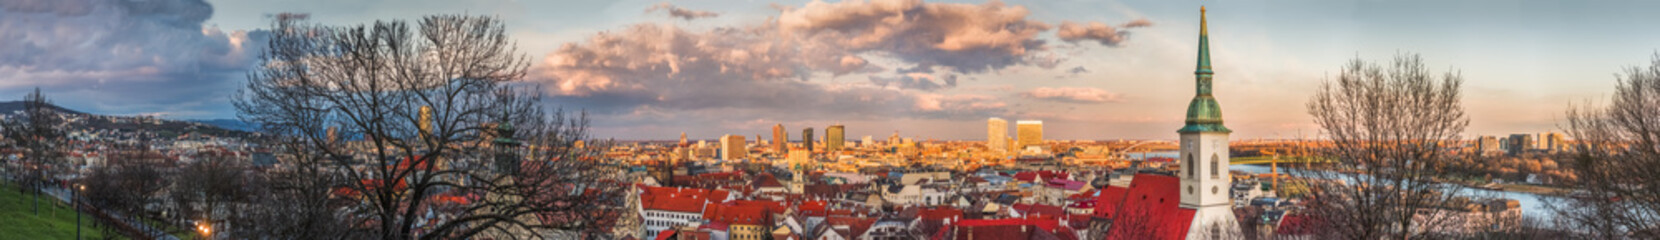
(1090, 69)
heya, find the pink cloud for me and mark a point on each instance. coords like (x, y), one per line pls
(1072, 94)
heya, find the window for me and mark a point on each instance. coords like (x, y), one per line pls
(1192, 167)
(1215, 165)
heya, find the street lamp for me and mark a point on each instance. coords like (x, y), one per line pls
(207, 231)
(74, 201)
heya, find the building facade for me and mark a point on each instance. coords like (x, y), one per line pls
(780, 139)
(1029, 133)
(807, 139)
(835, 136)
(732, 147)
(997, 134)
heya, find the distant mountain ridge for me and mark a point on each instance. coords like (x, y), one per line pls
(167, 127)
(232, 124)
(15, 106)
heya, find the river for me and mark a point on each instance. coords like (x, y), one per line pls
(1532, 205)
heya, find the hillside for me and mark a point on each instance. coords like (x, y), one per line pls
(132, 124)
(15, 106)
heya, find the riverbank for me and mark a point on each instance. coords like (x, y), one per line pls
(1534, 189)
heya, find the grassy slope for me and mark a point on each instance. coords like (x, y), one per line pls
(56, 219)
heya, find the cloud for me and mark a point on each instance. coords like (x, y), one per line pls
(1077, 70)
(1141, 22)
(778, 65)
(664, 67)
(1072, 95)
(1096, 31)
(682, 13)
(121, 54)
(966, 38)
(917, 81)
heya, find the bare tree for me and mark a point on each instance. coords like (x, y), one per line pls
(1617, 161)
(415, 126)
(1389, 126)
(131, 180)
(293, 201)
(207, 188)
(36, 133)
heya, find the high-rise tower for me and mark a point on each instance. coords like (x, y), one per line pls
(1028, 133)
(1204, 154)
(807, 139)
(732, 147)
(997, 134)
(834, 137)
(780, 139)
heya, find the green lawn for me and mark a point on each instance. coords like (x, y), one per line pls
(56, 219)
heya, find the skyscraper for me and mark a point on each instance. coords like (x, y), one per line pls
(1028, 133)
(1205, 186)
(780, 139)
(1552, 142)
(1520, 143)
(807, 139)
(835, 136)
(732, 147)
(866, 142)
(1486, 144)
(997, 133)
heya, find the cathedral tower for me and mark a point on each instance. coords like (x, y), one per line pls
(1204, 155)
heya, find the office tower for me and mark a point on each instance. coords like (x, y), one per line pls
(997, 131)
(1011, 146)
(1029, 133)
(732, 147)
(780, 139)
(1520, 143)
(834, 136)
(1553, 141)
(807, 139)
(1487, 144)
(866, 142)
(683, 139)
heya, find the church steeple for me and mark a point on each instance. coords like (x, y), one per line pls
(1206, 185)
(1203, 113)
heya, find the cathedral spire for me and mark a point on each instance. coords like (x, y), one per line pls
(1203, 113)
(1204, 48)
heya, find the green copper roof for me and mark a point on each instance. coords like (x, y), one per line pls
(504, 134)
(1203, 114)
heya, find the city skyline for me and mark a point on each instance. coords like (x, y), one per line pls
(1106, 71)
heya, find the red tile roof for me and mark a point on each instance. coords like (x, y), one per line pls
(738, 215)
(767, 180)
(688, 200)
(1149, 209)
(813, 208)
(1039, 209)
(1011, 228)
(1299, 224)
(1045, 175)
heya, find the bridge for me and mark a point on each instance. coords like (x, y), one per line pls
(1270, 159)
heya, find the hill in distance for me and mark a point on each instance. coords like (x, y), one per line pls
(216, 127)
